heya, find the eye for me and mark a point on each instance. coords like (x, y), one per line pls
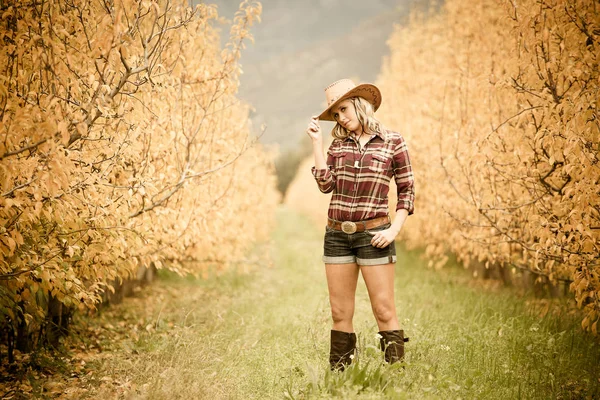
(336, 115)
(343, 109)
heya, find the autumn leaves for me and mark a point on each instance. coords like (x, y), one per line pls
(499, 104)
(122, 144)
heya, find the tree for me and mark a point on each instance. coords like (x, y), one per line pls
(122, 144)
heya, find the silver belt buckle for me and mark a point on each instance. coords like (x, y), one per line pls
(348, 227)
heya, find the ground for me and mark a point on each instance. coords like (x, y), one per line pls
(264, 334)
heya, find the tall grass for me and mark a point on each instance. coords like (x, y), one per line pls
(265, 335)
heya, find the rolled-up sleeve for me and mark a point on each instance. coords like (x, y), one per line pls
(325, 177)
(403, 175)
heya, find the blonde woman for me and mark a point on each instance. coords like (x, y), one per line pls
(359, 236)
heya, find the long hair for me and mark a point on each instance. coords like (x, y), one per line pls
(366, 118)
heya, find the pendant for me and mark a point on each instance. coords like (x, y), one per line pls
(356, 164)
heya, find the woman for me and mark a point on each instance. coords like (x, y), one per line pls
(359, 235)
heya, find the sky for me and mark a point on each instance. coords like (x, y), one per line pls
(301, 47)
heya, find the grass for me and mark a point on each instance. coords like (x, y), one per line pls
(264, 335)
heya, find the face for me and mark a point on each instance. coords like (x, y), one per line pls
(345, 115)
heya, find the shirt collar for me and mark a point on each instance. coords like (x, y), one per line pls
(381, 136)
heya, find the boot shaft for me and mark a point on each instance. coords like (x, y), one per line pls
(392, 344)
(342, 349)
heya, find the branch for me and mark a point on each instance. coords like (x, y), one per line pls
(6, 194)
(22, 149)
(6, 277)
(184, 177)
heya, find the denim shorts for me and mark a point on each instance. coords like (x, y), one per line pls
(344, 248)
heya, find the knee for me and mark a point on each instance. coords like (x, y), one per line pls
(384, 312)
(341, 313)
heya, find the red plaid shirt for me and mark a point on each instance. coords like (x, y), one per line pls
(360, 180)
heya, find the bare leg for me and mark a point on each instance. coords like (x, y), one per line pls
(380, 284)
(341, 280)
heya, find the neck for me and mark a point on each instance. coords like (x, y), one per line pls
(358, 133)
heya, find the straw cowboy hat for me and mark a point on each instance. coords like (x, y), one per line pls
(344, 89)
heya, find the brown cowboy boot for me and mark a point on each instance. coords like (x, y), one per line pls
(342, 348)
(392, 344)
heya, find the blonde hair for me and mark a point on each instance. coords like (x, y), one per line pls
(366, 117)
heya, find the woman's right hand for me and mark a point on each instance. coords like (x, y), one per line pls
(314, 130)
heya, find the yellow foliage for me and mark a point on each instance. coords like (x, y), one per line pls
(122, 144)
(499, 105)
(303, 195)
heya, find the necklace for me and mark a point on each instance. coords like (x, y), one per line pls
(360, 150)
(358, 138)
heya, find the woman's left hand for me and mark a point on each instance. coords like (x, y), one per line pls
(383, 238)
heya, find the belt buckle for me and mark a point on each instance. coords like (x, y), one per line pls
(348, 227)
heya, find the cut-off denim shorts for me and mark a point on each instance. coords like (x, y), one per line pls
(344, 248)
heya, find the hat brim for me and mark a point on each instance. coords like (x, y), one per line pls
(367, 91)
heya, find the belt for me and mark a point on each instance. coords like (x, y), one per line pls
(359, 226)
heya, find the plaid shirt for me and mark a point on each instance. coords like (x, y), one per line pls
(360, 180)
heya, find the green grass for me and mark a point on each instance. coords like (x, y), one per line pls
(265, 335)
